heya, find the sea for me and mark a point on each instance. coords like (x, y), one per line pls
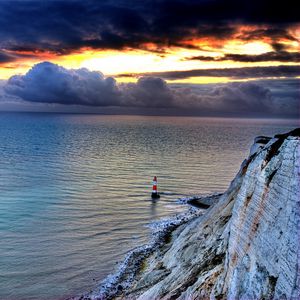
(75, 190)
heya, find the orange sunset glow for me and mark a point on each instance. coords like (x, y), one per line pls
(194, 56)
(149, 59)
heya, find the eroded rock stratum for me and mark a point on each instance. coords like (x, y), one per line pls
(246, 246)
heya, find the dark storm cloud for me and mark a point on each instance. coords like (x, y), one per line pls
(52, 84)
(278, 46)
(234, 98)
(5, 58)
(239, 73)
(282, 56)
(63, 26)
(272, 32)
(148, 92)
(8, 57)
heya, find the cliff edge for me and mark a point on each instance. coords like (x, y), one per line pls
(246, 246)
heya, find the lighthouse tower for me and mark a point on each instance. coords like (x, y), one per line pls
(155, 194)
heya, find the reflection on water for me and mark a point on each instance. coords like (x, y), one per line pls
(76, 189)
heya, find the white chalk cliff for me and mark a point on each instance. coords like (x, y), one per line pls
(246, 246)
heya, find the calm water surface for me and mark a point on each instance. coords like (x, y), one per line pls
(74, 189)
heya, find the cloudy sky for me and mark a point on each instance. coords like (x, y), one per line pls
(199, 57)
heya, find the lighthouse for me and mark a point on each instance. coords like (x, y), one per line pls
(154, 194)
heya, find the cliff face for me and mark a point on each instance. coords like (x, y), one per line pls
(244, 247)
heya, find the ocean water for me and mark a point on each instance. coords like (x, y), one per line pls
(75, 189)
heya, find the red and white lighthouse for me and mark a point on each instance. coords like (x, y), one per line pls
(154, 194)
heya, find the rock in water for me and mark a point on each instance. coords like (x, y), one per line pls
(246, 246)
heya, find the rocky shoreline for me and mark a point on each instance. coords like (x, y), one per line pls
(245, 245)
(116, 284)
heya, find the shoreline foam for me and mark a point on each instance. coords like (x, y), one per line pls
(122, 279)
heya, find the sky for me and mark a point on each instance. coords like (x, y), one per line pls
(204, 57)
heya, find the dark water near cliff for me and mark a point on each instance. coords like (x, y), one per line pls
(74, 189)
